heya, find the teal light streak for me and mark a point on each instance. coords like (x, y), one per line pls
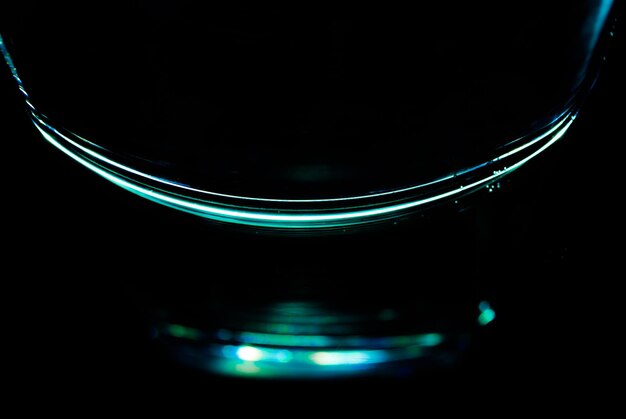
(128, 169)
(285, 220)
(322, 341)
(263, 361)
(250, 217)
(284, 340)
(9, 61)
(266, 217)
(431, 339)
(603, 11)
(269, 217)
(530, 143)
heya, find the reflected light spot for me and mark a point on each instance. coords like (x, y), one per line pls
(347, 357)
(431, 339)
(487, 314)
(249, 353)
(283, 356)
(247, 368)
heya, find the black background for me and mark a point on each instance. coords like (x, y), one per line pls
(69, 237)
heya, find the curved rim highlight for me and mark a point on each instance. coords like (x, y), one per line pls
(361, 211)
(287, 213)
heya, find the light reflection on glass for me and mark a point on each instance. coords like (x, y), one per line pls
(273, 355)
(487, 314)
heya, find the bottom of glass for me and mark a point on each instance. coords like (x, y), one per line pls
(299, 340)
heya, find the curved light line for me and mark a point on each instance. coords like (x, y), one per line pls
(9, 61)
(248, 198)
(252, 216)
(267, 217)
(530, 143)
(223, 195)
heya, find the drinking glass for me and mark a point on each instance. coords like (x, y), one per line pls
(319, 191)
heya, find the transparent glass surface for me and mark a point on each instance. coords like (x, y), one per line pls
(331, 157)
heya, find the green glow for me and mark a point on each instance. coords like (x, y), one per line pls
(247, 368)
(487, 314)
(183, 332)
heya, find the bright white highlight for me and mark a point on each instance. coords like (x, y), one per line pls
(348, 357)
(249, 353)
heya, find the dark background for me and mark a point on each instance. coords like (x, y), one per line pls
(69, 237)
